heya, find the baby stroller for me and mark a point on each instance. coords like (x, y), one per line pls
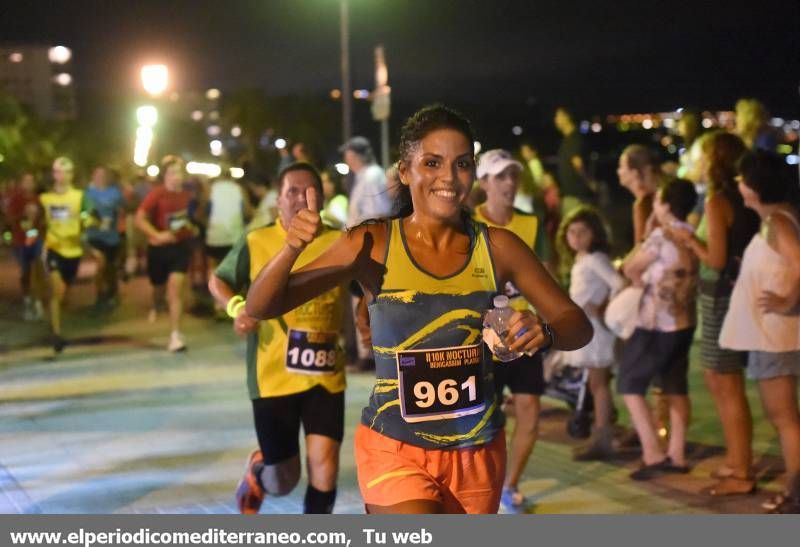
(570, 385)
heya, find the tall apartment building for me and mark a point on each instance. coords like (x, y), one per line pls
(40, 77)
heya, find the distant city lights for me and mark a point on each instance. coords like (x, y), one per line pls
(200, 168)
(336, 94)
(213, 130)
(59, 55)
(213, 94)
(361, 94)
(236, 131)
(342, 168)
(63, 79)
(647, 123)
(596, 127)
(216, 147)
(197, 115)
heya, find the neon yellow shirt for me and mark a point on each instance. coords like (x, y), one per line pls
(291, 353)
(63, 218)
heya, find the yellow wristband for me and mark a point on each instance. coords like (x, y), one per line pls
(232, 303)
(238, 308)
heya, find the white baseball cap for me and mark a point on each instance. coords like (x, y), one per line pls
(493, 162)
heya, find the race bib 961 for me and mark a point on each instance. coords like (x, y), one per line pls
(440, 384)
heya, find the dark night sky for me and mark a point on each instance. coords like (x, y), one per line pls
(598, 56)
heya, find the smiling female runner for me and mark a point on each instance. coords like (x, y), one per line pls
(431, 437)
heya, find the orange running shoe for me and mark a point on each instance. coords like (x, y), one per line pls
(249, 494)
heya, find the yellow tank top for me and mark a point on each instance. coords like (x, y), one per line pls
(300, 349)
(63, 217)
(525, 226)
(434, 386)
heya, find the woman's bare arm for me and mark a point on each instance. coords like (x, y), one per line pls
(515, 262)
(714, 252)
(277, 289)
(783, 237)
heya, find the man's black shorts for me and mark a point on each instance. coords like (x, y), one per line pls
(163, 260)
(278, 419)
(67, 267)
(523, 375)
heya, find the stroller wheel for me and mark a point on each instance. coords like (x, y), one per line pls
(579, 427)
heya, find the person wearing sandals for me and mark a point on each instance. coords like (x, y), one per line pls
(659, 347)
(719, 242)
(764, 315)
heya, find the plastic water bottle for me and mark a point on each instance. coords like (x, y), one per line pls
(497, 322)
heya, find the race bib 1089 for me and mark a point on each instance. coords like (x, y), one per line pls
(312, 352)
(440, 384)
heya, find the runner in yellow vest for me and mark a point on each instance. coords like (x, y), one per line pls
(65, 210)
(295, 365)
(499, 175)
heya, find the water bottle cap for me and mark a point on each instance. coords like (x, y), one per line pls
(500, 301)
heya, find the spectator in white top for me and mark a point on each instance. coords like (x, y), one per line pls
(228, 210)
(764, 315)
(368, 196)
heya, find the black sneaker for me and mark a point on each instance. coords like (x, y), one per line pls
(58, 344)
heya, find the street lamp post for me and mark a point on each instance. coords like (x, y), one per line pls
(155, 79)
(347, 93)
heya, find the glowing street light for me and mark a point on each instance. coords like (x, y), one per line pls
(154, 79)
(147, 116)
(59, 55)
(201, 168)
(63, 79)
(141, 149)
(216, 147)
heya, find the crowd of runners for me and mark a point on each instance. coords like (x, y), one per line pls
(406, 264)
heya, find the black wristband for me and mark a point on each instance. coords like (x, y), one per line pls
(548, 331)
